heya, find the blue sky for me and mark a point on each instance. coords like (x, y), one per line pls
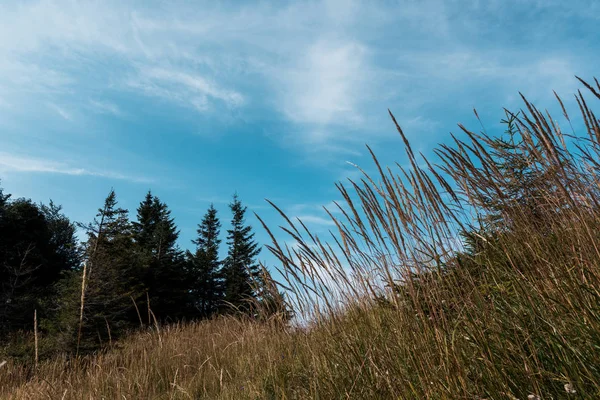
(196, 100)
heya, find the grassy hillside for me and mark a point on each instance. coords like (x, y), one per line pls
(472, 276)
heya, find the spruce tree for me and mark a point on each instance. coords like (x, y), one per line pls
(156, 235)
(204, 266)
(240, 269)
(113, 275)
(145, 225)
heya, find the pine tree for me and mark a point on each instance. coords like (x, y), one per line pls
(156, 235)
(145, 225)
(240, 269)
(113, 283)
(204, 266)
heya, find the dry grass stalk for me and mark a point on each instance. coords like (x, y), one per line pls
(35, 335)
(82, 305)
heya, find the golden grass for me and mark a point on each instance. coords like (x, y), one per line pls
(224, 356)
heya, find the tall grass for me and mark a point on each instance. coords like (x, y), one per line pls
(473, 277)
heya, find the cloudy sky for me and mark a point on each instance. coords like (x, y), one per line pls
(196, 100)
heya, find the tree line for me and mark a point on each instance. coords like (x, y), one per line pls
(126, 274)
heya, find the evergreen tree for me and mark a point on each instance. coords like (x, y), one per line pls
(3, 200)
(113, 274)
(62, 236)
(523, 182)
(240, 269)
(146, 222)
(37, 245)
(523, 186)
(155, 235)
(204, 266)
(272, 303)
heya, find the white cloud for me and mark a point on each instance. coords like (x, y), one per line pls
(15, 163)
(183, 87)
(488, 66)
(105, 107)
(325, 87)
(334, 206)
(60, 111)
(30, 26)
(164, 53)
(310, 220)
(324, 66)
(313, 215)
(21, 77)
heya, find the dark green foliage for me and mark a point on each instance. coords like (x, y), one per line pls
(3, 200)
(206, 285)
(134, 274)
(62, 238)
(518, 188)
(113, 271)
(147, 219)
(37, 244)
(164, 278)
(240, 269)
(271, 302)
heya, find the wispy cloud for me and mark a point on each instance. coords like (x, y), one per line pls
(312, 215)
(313, 220)
(20, 77)
(61, 111)
(492, 67)
(323, 67)
(105, 107)
(16, 163)
(334, 206)
(324, 88)
(186, 88)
